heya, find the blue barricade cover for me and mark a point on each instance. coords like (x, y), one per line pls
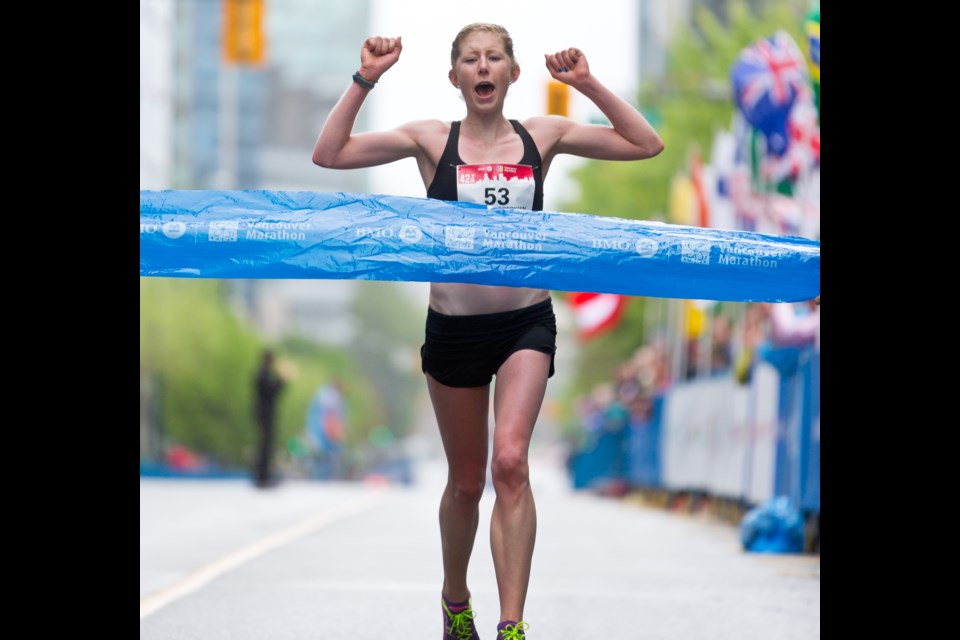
(295, 235)
(810, 421)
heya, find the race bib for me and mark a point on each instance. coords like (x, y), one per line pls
(496, 185)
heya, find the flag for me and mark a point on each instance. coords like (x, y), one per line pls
(767, 77)
(594, 313)
(812, 26)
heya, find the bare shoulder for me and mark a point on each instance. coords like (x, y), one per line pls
(547, 125)
(430, 136)
(546, 131)
(426, 129)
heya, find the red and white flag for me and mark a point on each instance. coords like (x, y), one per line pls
(594, 313)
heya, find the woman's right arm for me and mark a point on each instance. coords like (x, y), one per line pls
(337, 146)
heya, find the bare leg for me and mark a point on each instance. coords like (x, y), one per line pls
(521, 384)
(462, 415)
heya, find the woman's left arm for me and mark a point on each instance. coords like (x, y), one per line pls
(629, 136)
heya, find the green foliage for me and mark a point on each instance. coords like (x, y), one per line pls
(314, 365)
(599, 357)
(690, 104)
(623, 189)
(387, 351)
(607, 351)
(203, 358)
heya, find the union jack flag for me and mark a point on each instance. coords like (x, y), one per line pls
(767, 77)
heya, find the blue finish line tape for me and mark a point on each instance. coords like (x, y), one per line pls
(346, 236)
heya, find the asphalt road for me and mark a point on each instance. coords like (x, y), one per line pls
(220, 560)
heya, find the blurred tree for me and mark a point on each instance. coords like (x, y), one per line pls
(316, 365)
(688, 106)
(387, 350)
(201, 359)
(605, 352)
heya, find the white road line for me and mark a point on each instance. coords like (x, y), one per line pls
(196, 579)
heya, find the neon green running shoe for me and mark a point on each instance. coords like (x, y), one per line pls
(458, 620)
(510, 630)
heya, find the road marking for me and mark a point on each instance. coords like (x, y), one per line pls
(198, 578)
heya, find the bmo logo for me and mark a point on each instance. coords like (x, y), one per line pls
(411, 234)
(174, 230)
(647, 248)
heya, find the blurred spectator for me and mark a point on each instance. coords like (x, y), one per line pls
(721, 354)
(627, 381)
(614, 413)
(650, 368)
(755, 332)
(691, 359)
(796, 325)
(641, 410)
(776, 326)
(326, 429)
(268, 385)
(610, 424)
(695, 328)
(662, 375)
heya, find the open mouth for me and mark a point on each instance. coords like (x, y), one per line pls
(484, 89)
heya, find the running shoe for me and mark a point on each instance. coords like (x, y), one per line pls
(510, 630)
(458, 621)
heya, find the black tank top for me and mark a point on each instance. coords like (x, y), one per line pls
(444, 185)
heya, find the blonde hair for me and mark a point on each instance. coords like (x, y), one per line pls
(482, 26)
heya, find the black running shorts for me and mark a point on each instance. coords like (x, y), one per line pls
(467, 351)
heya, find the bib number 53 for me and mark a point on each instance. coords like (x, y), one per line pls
(494, 195)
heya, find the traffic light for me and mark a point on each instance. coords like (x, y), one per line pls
(558, 98)
(243, 31)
